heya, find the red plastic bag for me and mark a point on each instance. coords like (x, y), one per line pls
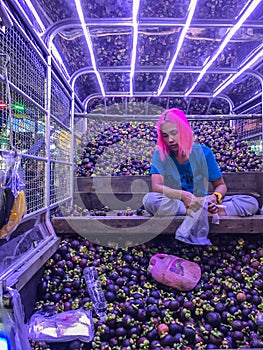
(174, 272)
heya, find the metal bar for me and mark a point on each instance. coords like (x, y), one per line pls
(47, 138)
(247, 102)
(149, 94)
(17, 265)
(67, 90)
(72, 119)
(156, 116)
(105, 105)
(62, 201)
(33, 214)
(59, 122)
(150, 69)
(252, 136)
(29, 156)
(143, 22)
(248, 109)
(26, 270)
(59, 161)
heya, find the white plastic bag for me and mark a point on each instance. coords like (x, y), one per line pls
(62, 327)
(195, 228)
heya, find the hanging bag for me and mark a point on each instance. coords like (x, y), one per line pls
(13, 199)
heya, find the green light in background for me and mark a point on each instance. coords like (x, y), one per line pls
(18, 107)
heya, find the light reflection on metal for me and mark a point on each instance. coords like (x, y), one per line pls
(244, 14)
(184, 30)
(89, 43)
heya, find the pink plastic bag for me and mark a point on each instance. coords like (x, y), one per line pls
(174, 272)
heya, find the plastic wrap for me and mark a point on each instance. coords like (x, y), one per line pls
(19, 330)
(62, 327)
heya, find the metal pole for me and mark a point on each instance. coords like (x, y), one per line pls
(156, 116)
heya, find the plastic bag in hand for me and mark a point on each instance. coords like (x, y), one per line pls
(195, 227)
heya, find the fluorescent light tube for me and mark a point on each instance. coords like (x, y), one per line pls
(244, 15)
(235, 76)
(89, 43)
(35, 14)
(42, 27)
(135, 10)
(180, 43)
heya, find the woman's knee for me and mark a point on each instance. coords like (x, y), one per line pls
(152, 202)
(242, 205)
(158, 204)
(254, 205)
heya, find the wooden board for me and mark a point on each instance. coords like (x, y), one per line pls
(115, 201)
(237, 182)
(120, 192)
(144, 225)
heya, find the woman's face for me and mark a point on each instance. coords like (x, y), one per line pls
(170, 135)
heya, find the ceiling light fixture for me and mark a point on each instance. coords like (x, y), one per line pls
(135, 10)
(230, 33)
(184, 30)
(89, 43)
(235, 76)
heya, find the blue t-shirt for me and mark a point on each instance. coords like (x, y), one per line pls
(192, 176)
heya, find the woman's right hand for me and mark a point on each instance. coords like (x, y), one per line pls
(191, 201)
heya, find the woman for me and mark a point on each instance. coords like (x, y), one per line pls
(181, 171)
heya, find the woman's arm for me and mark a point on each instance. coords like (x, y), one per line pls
(220, 189)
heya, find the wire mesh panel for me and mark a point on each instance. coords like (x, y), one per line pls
(61, 164)
(80, 124)
(35, 181)
(4, 132)
(26, 69)
(28, 126)
(21, 123)
(60, 181)
(60, 142)
(60, 102)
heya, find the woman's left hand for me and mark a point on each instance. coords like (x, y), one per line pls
(212, 204)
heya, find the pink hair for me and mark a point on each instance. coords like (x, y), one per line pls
(185, 133)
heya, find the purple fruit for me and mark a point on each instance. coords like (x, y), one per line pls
(214, 319)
